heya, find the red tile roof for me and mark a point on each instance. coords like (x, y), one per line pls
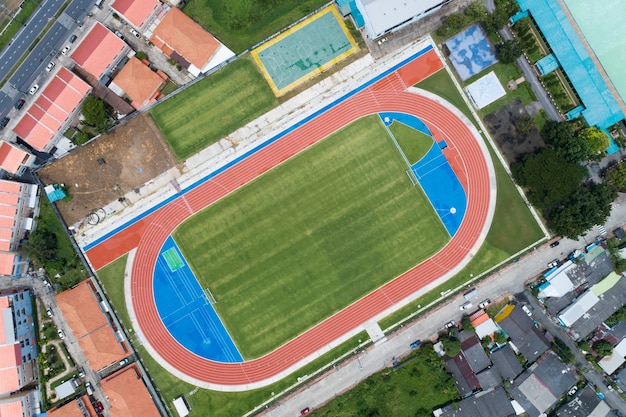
(4, 303)
(6, 263)
(139, 82)
(127, 394)
(7, 186)
(180, 33)
(5, 242)
(11, 158)
(135, 11)
(12, 408)
(10, 359)
(90, 326)
(99, 48)
(72, 409)
(52, 109)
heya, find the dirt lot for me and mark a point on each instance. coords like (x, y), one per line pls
(512, 144)
(133, 154)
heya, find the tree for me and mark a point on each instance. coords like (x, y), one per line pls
(549, 178)
(509, 51)
(94, 112)
(616, 176)
(451, 345)
(602, 348)
(476, 10)
(597, 140)
(589, 205)
(558, 133)
(500, 338)
(41, 246)
(524, 124)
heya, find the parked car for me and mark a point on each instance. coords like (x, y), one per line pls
(73, 38)
(450, 324)
(20, 103)
(466, 306)
(305, 411)
(527, 311)
(49, 312)
(124, 361)
(119, 35)
(50, 66)
(553, 263)
(65, 50)
(4, 122)
(484, 303)
(555, 244)
(99, 407)
(33, 89)
(81, 372)
(135, 33)
(61, 334)
(415, 344)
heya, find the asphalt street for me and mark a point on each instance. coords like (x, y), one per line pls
(49, 47)
(509, 280)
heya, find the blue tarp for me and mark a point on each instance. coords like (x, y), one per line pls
(470, 52)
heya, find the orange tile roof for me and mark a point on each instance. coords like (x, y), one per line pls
(180, 33)
(12, 408)
(4, 303)
(6, 263)
(57, 101)
(127, 394)
(480, 320)
(9, 211)
(9, 199)
(11, 158)
(139, 82)
(99, 48)
(72, 409)
(135, 11)
(5, 244)
(81, 310)
(7, 222)
(10, 359)
(90, 326)
(102, 348)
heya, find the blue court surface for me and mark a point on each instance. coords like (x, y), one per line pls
(435, 176)
(186, 311)
(470, 52)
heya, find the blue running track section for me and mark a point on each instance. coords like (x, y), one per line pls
(436, 177)
(258, 148)
(186, 312)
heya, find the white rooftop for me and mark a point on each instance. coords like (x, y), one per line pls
(578, 308)
(382, 15)
(485, 90)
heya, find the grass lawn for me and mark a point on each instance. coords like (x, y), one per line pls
(511, 214)
(214, 107)
(28, 8)
(413, 143)
(415, 388)
(205, 402)
(112, 279)
(241, 24)
(310, 237)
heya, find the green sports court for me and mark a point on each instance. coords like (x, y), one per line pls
(304, 50)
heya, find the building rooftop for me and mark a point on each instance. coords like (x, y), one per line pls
(99, 48)
(52, 109)
(135, 11)
(90, 326)
(520, 328)
(10, 359)
(128, 395)
(506, 363)
(139, 82)
(475, 354)
(585, 404)
(12, 407)
(178, 33)
(11, 158)
(494, 403)
(383, 15)
(74, 409)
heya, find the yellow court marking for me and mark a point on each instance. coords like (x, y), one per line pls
(308, 76)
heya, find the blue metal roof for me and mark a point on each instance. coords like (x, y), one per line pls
(547, 64)
(601, 108)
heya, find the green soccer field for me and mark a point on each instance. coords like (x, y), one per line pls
(310, 237)
(214, 107)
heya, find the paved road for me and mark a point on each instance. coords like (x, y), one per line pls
(48, 48)
(509, 280)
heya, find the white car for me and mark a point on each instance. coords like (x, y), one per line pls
(65, 50)
(466, 306)
(527, 311)
(49, 312)
(50, 66)
(135, 33)
(61, 334)
(33, 89)
(484, 303)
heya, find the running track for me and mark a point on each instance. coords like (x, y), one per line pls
(389, 94)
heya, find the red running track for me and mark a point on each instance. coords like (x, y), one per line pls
(468, 162)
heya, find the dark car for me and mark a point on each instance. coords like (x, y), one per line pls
(20, 103)
(415, 344)
(555, 244)
(99, 407)
(72, 38)
(4, 122)
(305, 411)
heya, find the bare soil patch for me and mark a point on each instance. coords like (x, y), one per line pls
(512, 144)
(132, 154)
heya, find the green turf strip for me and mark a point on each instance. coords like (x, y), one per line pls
(310, 237)
(214, 107)
(413, 143)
